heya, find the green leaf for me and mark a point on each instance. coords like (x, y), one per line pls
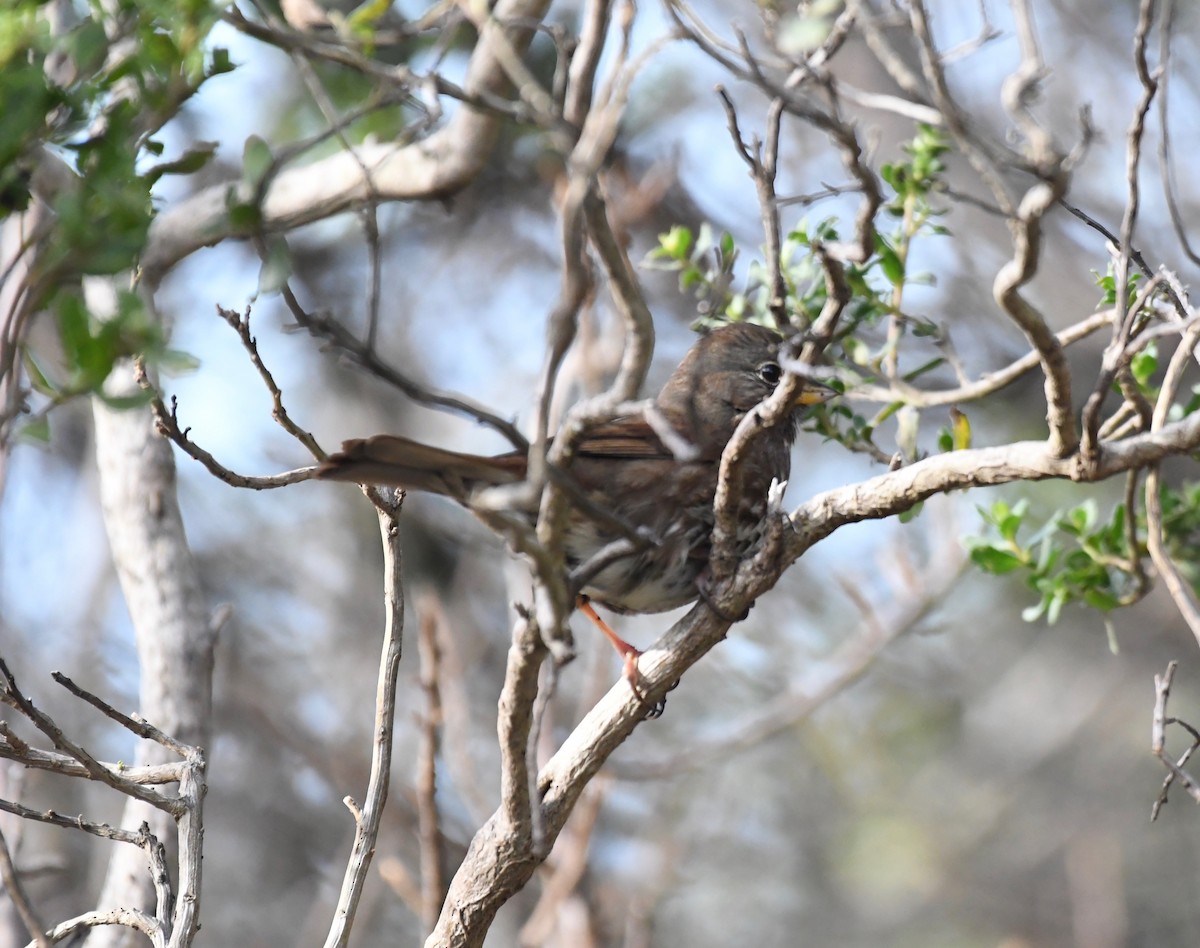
(856, 350)
(220, 62)
(187, 163)
(1144, 364)
(363, 18)
(996, 561)
(276, 269)
(1100, 599)
(38, 380)
(907, 516)
(36, 431)
(176, 361)
(676, 243)
(257, 161)
(126, 402)
(244, 217)
(889, 261)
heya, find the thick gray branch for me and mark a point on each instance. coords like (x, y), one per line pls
(434, 167)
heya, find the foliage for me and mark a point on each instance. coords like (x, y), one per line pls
(867, 343)
(90, 96)
(1075, 556)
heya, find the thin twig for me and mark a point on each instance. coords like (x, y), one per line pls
(368, 818)
(141, 728)
(95, 770)
(240, 323)
(53, 818)
(167, 422)
(1162, 693)
(1166, 166)
(429, 831)
(762, 158)
(15, 890)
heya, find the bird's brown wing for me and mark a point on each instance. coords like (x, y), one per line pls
(402, 462)
(629, 437)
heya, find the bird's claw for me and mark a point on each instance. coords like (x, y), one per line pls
(632, 674)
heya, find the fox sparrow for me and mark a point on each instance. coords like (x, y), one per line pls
(624, 467)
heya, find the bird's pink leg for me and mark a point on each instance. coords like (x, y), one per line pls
(628, 653)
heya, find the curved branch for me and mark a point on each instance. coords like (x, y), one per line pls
(435, 167)
(1012, 277)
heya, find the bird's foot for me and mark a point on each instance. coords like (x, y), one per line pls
(629, 655)
(632, 674)
(702, 587)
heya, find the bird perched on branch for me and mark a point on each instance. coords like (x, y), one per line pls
(658, 480)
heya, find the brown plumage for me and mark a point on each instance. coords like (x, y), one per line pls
(624, 467)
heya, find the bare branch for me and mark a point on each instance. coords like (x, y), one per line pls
(368, 819)
(141, 728)
(94, 768)
(126, 917)
(1162, 693)
(987, 384)
(435, 167)
(167, 424)
(102, 830)
(361, 354)
(1027, 234)
(433, 872)
(1165, 164)
(20, 899)
(241, 325)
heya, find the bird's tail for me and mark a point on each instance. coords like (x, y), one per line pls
(402, 462)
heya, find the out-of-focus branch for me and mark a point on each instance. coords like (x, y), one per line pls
(1177, 585)
(987, 384)
(1166, 166)
(1158, 738)
(15, 890)
(433, 872)
(568, 864)
(175, 639)
(911, 596)
(434, 167)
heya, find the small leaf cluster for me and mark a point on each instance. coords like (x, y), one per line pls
(706, 267)
(91, 348)
(92, 95)
(1077, 556)
(1074, 557)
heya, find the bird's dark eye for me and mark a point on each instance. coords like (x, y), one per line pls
(770, 372)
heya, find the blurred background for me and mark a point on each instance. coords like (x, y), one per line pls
(882, 753)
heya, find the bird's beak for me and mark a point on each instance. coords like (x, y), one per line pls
(815, 393)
